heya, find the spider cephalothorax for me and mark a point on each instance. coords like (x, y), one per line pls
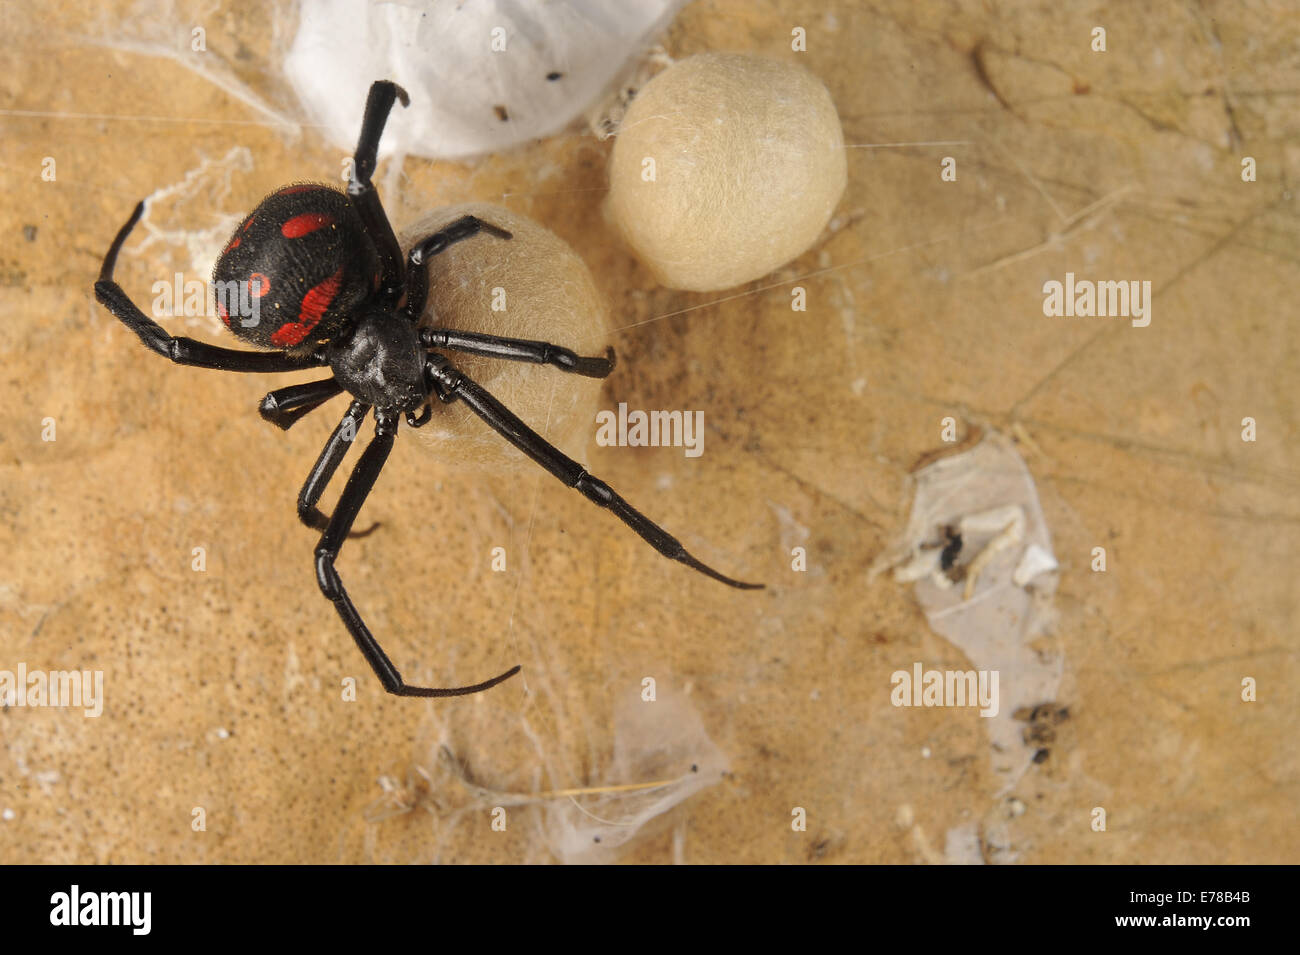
(317, 274)
(381, 362)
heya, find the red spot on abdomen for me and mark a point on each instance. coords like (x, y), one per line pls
(301, 225)
(221, 310)
(234, 243)
(314, 304)
(258, 285)
(290, 190)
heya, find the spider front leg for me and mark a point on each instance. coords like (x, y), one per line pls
(322, 471)
(518, 349)
(476, 343)
(449, 383)
(284, 407)
(350, 502)
(417, 276)
(379, 103)
(183, 351)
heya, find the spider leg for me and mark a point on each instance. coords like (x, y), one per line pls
(518, 349)
(327, 551)
(425, 417)
(323, 470)
(417, 277)
(450, 383)
(285, 406)
(183, 351)
(514, 349)
(379, 103)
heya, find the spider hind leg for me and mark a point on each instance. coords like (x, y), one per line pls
(455, 384)
(359, 485)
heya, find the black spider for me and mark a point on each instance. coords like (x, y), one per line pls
(326, 269)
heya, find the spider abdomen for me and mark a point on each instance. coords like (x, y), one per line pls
(295, 268)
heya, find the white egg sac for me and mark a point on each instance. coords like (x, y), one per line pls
(483, 76)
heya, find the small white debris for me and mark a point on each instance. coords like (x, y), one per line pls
(978, 512)
(962, 845)
(1036, 561)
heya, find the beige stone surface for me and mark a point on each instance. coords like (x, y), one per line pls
(223, 687)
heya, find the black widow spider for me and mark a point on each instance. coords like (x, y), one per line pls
(328, 268)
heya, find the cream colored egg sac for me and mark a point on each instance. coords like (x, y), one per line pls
(726, 167)
(532, 286)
